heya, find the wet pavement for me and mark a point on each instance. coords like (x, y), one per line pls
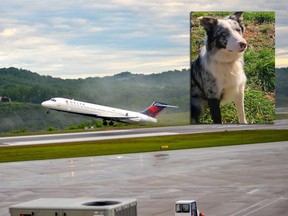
(237, 180)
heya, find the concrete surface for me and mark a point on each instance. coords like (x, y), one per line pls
(236, 180)
(132, 133)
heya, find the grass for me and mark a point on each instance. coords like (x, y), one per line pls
(136, 145)
(173, 119)
(259, 109)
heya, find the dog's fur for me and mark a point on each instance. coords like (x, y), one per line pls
(217, 75)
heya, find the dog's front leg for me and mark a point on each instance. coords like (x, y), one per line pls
(215, 112)
(239, 103)
(196, 109)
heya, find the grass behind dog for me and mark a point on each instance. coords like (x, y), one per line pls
(259, 66)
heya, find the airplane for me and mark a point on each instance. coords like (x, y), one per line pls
(104, 112)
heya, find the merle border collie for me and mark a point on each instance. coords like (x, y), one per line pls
(217, 75)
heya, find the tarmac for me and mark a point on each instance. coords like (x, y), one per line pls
(135, 133)
(237, 180)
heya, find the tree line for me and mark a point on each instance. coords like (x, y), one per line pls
(124, 90)
(282, 87)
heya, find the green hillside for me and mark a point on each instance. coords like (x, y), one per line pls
(18, 117)
(282, 87)
(124, 90)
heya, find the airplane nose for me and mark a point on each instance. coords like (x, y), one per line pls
(45, 104)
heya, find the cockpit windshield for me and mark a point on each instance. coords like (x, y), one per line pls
(53, 99)
(182, 208)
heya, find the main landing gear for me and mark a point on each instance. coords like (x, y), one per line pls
(111, 123)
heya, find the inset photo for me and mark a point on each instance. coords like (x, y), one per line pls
(232, 57)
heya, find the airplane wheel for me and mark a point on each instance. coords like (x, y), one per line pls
(111, 123)
(104, 123)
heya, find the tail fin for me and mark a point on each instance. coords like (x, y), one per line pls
(155, 108)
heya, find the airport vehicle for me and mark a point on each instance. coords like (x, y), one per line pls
(187, 208)
(91, 207)
(75, 207)
(104, 112)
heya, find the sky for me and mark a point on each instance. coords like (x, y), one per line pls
(96, 38)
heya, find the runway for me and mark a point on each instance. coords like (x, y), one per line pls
(247, 180)
(132, 133)
(237, 180)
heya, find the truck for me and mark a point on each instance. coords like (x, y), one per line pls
(187, 208)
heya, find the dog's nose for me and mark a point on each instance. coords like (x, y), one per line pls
(243, 45)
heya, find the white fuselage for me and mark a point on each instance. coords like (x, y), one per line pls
(98, 111)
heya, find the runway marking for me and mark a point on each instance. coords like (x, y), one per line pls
(65, 134)
(253, 191)
(108, 137)
(261, 204)
(261, 207)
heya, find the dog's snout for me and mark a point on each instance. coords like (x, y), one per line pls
(243, 45)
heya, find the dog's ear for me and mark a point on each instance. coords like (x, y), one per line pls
(237, 16)
(208, 22)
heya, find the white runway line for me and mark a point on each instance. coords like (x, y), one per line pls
(268, 204)
(262, 204)
(253, 191)
(108, 137)
(66, 134)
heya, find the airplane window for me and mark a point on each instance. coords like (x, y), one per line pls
(53, 99)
